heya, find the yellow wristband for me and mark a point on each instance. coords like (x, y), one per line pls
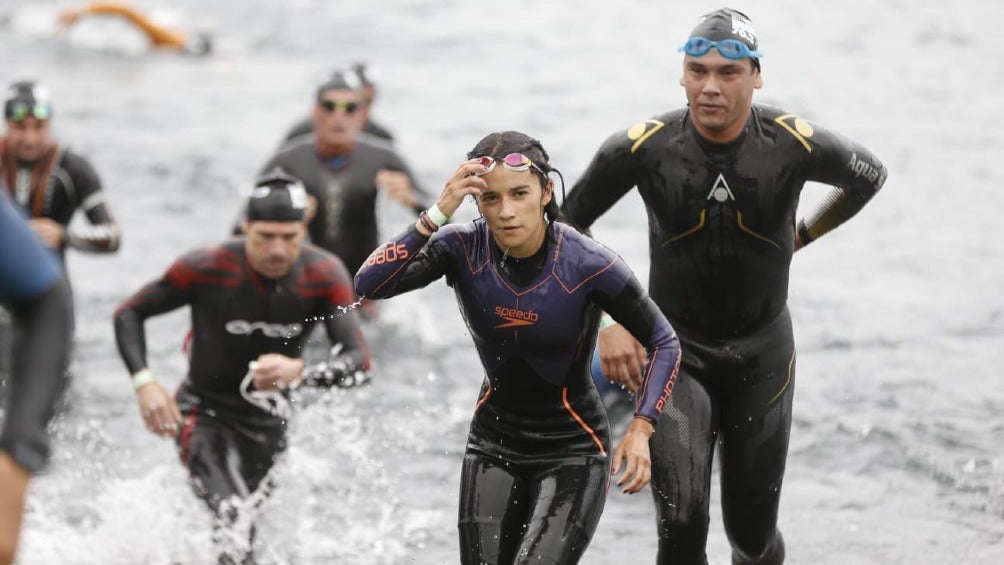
(142, 377)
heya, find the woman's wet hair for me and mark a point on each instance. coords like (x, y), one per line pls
(500, 144)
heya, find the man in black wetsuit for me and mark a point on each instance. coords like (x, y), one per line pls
(368, 90)
(343, 172)
(35, 290)
(721, 181)
(49, 181)
(254, 301)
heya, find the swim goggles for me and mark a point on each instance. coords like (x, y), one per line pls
(512, 161)
(18, 111)
(728, 48)
(331, 106)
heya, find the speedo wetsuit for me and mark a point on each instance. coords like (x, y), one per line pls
(345, 222)
(306, 126)
(55, 187)
(721, 236)
(228, 443)
(536, 469)
(33, 288)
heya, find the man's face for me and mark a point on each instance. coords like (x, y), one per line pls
(28, 138)
(720, 93)
(273, 247)
(336, 117)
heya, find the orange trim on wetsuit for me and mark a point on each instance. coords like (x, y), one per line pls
(40, 172)
(159, 36)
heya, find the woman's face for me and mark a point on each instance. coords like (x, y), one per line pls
(513, 205)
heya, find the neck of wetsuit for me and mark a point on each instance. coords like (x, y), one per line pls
(328, 151)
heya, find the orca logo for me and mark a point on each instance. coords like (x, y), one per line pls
(244, 327)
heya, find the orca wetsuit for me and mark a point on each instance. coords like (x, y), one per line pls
(721, 237)
(34, 289)
(536, 468)
(227, 443)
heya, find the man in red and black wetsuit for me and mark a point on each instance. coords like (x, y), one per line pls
(253, 301)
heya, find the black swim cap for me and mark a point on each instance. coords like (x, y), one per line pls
(726, 23)
(339, 79)
(27, 97)
(277, 197)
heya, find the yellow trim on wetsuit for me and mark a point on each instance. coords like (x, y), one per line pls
(700, 224)
(159, 36)
(742, 226)
(640, 132)
(801, 131)
(786, 382)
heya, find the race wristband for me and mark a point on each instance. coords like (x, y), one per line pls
(141, 378)
(437, 216)
(606, 321)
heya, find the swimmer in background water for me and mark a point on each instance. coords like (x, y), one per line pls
(160, 37)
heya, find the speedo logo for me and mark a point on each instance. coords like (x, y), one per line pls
(865, 169)
(515, 317)
(388, 254)
(244, 327)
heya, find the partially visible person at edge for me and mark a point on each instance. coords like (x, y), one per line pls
(254, 301)
(160, 37)
(368, 89)
(34, 289)
(721, 181)
(343, 173)
(49, 181)
(536, 468)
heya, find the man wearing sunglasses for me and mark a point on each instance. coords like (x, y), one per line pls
(343, 173)
(368, 90)
(48, 181)
(721, 181)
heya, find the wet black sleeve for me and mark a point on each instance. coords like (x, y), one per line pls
(610, 175)
(103, 235)
(43, 328)
(396, 163)
(854, 172)
(342, 324)
(155, 298)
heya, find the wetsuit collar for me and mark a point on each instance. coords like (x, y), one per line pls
(334, 156)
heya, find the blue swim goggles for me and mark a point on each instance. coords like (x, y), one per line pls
(728, 48)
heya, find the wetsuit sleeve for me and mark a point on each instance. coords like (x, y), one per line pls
(855, 173)
(633, 309)
(170, 292)
(156, 34)
(396, 163)
(610, 175)
(350, 357)
(404, 263)
(33, 288)
(103, 235)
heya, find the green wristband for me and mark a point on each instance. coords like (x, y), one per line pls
(141, 378)
(606, 321)
(437, 216)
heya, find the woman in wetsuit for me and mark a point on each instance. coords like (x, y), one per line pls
(536, 468)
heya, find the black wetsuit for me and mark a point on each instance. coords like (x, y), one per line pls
(345, 222)
(55, 187)
(227, 443)
(721, 236)
(34, 289)
(536, 469)
(306, 126)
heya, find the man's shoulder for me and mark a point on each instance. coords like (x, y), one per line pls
(318, 261)
(74, 163)
(666, 124)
